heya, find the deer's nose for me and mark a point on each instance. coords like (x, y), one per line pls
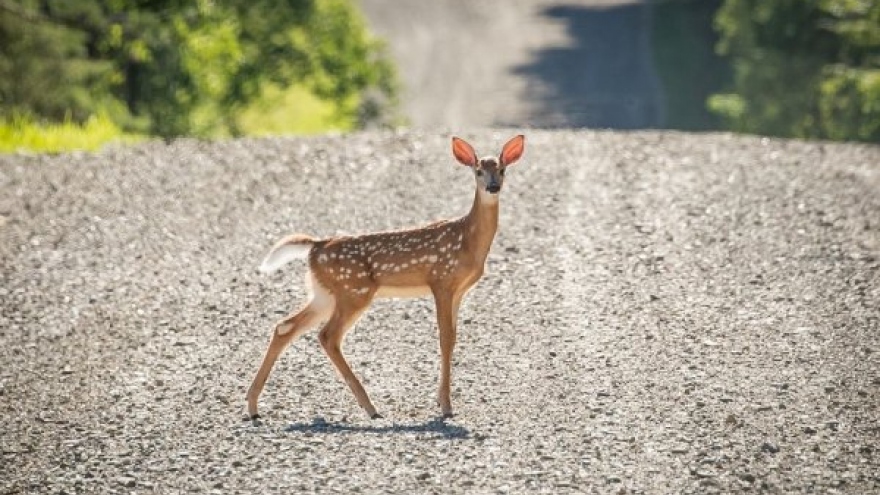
(493, 188)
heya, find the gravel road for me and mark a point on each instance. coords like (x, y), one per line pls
(539, 63)
(662, 313)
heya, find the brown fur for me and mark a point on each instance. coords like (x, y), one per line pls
(444, 259)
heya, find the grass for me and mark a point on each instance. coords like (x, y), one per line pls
(23, 134)
(294, 110)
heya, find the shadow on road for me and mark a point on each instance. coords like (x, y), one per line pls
(438, 426)
(603, 77)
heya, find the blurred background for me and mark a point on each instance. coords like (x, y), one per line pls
(78, 74)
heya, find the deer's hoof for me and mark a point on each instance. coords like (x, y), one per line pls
(376, 416)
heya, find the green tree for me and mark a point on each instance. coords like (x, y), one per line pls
(45, 67)
(174, 67)
(802, 68)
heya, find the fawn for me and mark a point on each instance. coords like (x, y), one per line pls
(444, 259)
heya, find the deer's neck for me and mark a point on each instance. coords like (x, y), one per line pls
(480, 224)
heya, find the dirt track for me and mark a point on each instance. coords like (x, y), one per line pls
(536, 63)
(662, 313)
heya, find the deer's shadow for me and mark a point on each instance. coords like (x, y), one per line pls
(437, 426)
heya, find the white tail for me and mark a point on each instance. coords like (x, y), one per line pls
(290, 248)
(444, 259)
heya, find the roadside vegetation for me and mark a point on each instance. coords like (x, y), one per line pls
(807, 69)
(21, 133)
(77, 74)
(790, 68)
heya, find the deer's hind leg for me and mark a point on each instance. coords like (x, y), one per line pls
(286, 331)
(344, 316)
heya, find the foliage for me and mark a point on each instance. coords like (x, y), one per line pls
(170, 67)
(19, 133)
(802, 68)
(45, 68)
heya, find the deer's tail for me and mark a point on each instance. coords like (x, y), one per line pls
(292, 247)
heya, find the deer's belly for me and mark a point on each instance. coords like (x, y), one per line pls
(390, 291)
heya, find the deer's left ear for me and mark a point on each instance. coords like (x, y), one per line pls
(513, 150)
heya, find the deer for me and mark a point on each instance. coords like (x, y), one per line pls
(444, 259)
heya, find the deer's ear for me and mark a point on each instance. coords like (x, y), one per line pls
(512, 150)
(464, 152)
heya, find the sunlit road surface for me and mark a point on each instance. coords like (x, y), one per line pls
(662, 312)
(522, 63)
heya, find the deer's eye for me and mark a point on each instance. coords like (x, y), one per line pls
(501, 172)
(480, 172)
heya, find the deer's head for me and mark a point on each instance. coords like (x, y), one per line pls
(489, 171)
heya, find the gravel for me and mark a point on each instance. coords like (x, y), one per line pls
(548, 63)
(662, 313)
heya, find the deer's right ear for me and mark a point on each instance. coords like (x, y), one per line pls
(464, 152)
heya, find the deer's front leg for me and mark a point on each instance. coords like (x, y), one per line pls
(447, 318)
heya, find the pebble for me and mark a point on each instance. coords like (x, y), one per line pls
(769, 447)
